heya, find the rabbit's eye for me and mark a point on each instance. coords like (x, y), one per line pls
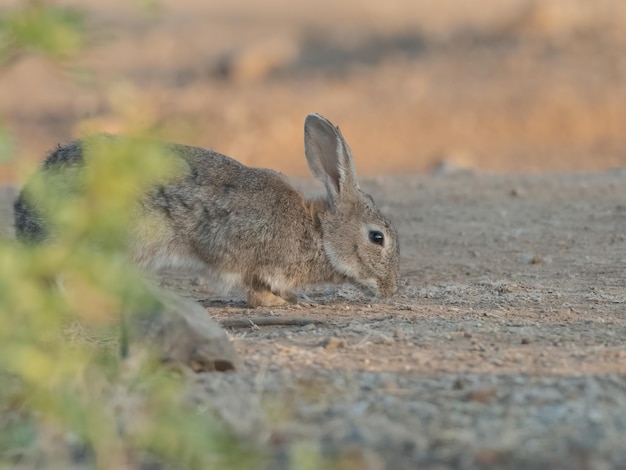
(377, 237)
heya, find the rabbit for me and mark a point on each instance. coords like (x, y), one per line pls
(250, 226)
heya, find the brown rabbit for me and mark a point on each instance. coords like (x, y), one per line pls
(250, 226)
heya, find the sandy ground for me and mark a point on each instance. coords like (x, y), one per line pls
(504, 348)
(506, 345)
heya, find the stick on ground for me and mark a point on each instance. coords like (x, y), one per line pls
(268, 321)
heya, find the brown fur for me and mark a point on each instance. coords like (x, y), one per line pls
(249, 225)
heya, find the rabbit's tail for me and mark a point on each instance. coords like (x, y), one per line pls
(30, 227)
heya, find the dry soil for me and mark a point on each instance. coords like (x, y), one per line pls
(506, 344)
(505, 347)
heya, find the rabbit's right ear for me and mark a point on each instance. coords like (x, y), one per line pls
(329, 158)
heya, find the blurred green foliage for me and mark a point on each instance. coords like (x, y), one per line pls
(54, 31)
(71, 387)
(67, 398)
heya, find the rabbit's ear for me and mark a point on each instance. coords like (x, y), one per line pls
(329, 157)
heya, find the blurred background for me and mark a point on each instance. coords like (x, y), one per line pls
(415, 85)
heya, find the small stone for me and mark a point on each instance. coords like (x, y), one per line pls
(382, 339)
(526, 341)
(517, 192)
(333, 343)
(535, 258)
(482, 395)
(479, 347)
(399, 334)
(594, 416)
(182, 333)
(487, 457)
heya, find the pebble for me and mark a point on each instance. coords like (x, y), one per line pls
(333, 343)
(482, 395)
(399, 334)
(517, 192)
(381, 338)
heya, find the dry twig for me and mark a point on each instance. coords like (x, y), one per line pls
(251, 322)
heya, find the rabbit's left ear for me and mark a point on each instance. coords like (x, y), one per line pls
(329, 158)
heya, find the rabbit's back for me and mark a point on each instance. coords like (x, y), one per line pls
(227, 216)
(218, 210)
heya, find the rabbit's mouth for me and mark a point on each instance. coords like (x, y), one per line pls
(377, 288)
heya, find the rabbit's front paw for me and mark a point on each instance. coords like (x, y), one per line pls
(265, 298)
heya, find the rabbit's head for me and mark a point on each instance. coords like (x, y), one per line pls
(358, 240)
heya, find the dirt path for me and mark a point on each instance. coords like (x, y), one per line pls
(505, 348)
